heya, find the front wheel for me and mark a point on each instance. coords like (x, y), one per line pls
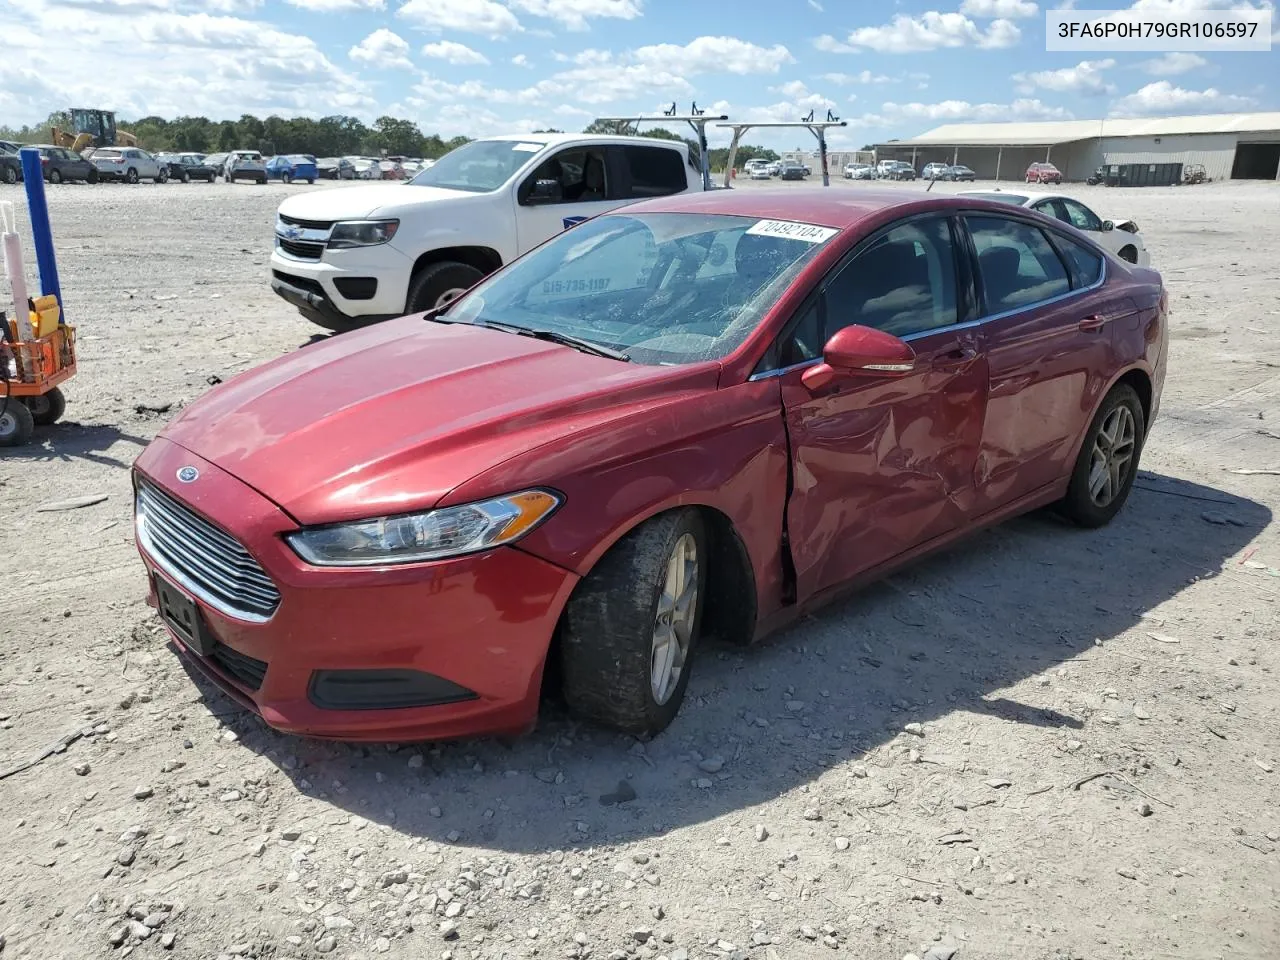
(286, 178)
(213, 178)
(1108, 460)
(47, 408)
(55, 176)
(162, 176)
(186, 177)
(131, 176)
(311, 181)
(92, 176)
(10, 175)
(1129, 254)
(16, 424)
(440, 284)
(631, 627)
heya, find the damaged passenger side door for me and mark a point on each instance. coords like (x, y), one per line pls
(882, 464)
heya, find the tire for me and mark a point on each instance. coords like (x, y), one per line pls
(186, 176)
(1129, 254)
(10, 175)
(286, 178)
(55, 176)
(213, 178)
(438, 283)
(163, 175)
(16, 425)
(1081, 505)
(92, 177)
(131, 176)
(311, 181)
(608, 645)
(49, 408)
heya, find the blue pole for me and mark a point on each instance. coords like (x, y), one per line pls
(41, 232)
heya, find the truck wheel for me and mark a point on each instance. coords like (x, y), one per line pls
(48, 408)
(16, 425)
(440, 283)
(631, 627)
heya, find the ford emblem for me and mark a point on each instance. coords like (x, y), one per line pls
(188, 474)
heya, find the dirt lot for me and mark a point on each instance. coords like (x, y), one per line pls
(907, 773)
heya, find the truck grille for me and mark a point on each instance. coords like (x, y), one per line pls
(212, 564)
(305, 224)
(301, 249)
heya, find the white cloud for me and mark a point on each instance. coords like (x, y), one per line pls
(929, 31)
(956, 110)
(520, 60)
(829, 44)
(846, 79)
(1085, 77)
(1162, 97)
(574, 14)
(456, 53)
(466, 16)
(382, 48)
(815, 5)
(337, 6)
(1009, 9)
(1172, 64)
(715, 55)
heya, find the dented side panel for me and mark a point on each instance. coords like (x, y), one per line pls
(879, 466)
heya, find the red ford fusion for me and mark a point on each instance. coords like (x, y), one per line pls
(697, 416)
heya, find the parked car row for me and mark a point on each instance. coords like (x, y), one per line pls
(371, 168)
(759, 169)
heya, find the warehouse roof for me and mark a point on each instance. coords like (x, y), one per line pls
(1064, 131)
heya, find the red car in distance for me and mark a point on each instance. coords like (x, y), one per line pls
(1043, 173)
(698, 415)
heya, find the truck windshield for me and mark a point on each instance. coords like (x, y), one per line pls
(479, 166)
(663, 288)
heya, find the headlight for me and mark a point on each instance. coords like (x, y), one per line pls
(434, 535)
(362, 233)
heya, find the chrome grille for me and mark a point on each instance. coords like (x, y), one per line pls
(301, 249)
(211, 564)
(305, 224)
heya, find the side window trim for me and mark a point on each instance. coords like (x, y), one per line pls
(1056, 240)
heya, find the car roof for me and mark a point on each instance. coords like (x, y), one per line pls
(1032, 197)
(819, 205)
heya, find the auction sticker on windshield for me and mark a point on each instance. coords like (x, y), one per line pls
(791, 230)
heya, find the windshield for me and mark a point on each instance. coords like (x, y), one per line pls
(665, 288)
(1013, 198)
(479, 166)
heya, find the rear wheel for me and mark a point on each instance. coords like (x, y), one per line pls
(92, 176)
(163, 175)
(47, 408)
(131, 176)
(10, 175)
(439, 284)
(1128, 253)
(55, 176)
(286, 178)
(213, 177)
(186, 176)
(16, 425)
(1108, 460)
(631, 627)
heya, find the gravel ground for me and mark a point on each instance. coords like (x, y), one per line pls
(1046, 743)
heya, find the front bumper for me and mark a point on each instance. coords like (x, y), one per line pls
(337, 648)
(314, 291)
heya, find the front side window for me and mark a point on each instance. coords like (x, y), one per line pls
(903, 283)
(1017, 265)
(654, 171)
(1080, 216)
(576, 175)
(665, 288)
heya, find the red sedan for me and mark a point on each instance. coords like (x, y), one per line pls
(1043, 173)
(699, 415)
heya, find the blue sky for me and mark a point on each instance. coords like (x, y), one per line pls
(476, 67)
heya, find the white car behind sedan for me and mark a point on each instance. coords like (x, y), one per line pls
(1121, 237)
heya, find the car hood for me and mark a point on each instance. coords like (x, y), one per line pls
(353, 203)
(391, 418)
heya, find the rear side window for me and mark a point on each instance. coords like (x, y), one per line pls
(1086, 264)
(1017, 265)
(653, 172)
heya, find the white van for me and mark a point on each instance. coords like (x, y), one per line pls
(359, 254)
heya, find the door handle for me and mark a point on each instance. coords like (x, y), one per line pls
(1093, 323)
(954, 358)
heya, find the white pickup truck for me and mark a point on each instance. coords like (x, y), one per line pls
(355, 255)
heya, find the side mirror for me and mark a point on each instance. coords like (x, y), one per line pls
(860, 351)
(1108, 225)
(544, 191)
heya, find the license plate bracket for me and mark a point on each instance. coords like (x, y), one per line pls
(182, 615)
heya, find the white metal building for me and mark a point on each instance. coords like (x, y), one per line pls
(1242, 146)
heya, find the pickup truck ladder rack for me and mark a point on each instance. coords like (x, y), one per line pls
(817, 127)
(698, 119)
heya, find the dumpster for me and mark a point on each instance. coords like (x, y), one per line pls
(1141, 174)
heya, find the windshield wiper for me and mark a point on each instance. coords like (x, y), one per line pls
(555, 336)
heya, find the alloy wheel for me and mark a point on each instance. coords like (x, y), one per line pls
(673, 626)
(1112, 456)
